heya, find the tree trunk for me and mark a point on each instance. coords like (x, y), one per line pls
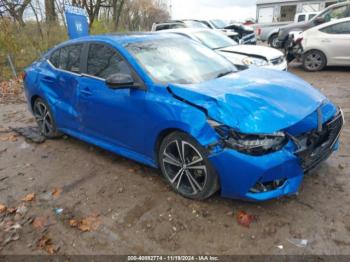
(50, 13)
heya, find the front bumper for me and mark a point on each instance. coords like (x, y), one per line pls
(240, 173)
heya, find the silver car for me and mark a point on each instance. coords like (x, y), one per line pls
(326, 45)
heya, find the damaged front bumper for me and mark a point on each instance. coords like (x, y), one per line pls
(277, 174)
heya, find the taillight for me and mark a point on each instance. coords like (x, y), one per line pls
(299, 40)
(23, 76)
(258, 31)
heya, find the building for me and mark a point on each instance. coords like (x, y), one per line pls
(268, 11)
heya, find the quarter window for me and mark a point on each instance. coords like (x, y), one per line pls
(55, 58)
(104, 61)
(341, 28)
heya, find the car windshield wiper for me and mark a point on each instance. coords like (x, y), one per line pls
(224, 73)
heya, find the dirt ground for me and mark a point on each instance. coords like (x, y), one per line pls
(89, 201)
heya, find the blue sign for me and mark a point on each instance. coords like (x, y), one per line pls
(77, 21)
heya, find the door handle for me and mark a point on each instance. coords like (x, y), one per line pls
(325, 41)
(86, 91)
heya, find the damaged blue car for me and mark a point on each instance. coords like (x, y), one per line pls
(173, 104)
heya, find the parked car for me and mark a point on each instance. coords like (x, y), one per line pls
(268, 32)
(326, 45)
(240, 55)
(333, 12)
(192, 23)
(171, 103)
(178, 24)
(304, 17)
(246, 34)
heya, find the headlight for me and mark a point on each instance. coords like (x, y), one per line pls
(254, 61)
(252, 144)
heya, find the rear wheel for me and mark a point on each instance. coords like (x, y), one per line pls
(314, 60)
(44, 119)
(186, 168)
(273, 41)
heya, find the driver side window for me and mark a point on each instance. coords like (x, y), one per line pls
(103, 61)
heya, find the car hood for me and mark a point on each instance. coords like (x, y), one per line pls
(254, 100)
(262, 51)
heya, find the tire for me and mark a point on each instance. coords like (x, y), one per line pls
(44, 118)
(194, 177)
(314, 60)
(273, 41)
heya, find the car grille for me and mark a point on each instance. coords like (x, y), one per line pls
(316, 146)
(277, 61)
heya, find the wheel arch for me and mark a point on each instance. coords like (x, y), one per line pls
(164, 133)
(32, 101)
(318, 50)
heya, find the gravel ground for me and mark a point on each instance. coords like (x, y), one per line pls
(89, 201)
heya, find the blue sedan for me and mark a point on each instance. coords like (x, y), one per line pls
(173, 104)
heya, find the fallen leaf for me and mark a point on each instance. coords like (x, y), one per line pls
(11, 210)
(46, 244)
(89, 223)
(73, 223)
(11, 138)
(29, 197)
(39, 222)
(244, 218)
(3, 208)
(56, 191)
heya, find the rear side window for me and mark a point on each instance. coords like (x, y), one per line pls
(162, 27)
(301, 18)
(70, 58)
(341, 28)
(103, 61)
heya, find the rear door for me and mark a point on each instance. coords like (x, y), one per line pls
(336, 42)
(65, 64)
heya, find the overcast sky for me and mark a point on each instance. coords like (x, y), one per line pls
(211, 9)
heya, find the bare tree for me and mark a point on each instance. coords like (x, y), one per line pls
(15, 9)
(50, 14)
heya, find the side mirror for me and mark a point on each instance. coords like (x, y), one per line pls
(319, 20)
(120, 81)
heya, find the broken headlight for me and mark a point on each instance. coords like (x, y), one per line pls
(252, 144)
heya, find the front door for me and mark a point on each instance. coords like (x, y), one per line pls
(112, 116)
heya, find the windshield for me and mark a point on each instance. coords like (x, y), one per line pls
(179, 60)
(333, 13)
(219, 24)
(213, 39)
(195, 24)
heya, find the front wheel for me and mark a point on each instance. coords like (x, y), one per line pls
(314, 60)
(45, 120)
(186, 168)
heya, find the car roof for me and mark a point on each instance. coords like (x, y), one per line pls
(185, 30)
(122, 38)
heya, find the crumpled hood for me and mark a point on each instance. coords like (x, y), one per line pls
(253, 50)
(254, 100)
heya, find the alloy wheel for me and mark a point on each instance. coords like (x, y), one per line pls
(313, 61)
(184, 167)
(43, 118)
